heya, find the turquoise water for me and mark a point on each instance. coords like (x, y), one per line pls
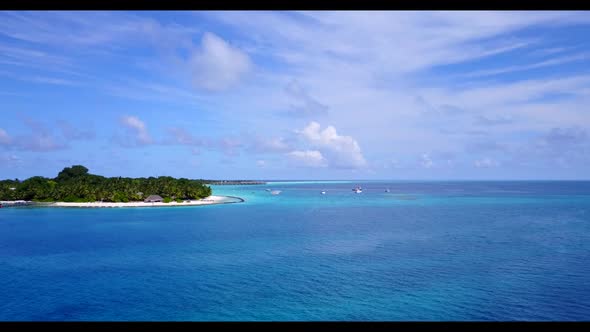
(423, 251)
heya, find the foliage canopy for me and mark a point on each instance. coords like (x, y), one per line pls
(75, 184)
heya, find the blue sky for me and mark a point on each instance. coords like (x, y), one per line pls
(296, 95)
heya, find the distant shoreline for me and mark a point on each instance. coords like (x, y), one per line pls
(211, 200)
(234, 182)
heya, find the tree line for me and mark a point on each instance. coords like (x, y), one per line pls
(75, 184)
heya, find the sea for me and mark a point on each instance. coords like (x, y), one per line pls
(398, 251)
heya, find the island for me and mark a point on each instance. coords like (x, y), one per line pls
(75, 187)
(234, 182)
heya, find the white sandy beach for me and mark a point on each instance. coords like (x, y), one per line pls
(205, 201)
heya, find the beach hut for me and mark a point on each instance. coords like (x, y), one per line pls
(154, 198)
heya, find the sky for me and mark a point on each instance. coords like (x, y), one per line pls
(296, 95)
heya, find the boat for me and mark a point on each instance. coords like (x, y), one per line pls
(387, 190)
(358, 190)
(267, 189)
(323, 192)
(275, 192)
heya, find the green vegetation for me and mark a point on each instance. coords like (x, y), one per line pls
(75, 184)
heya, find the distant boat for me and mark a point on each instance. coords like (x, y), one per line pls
(267, 189)
(358, 190)
(387, 190)
(323, 192)
(275, 192)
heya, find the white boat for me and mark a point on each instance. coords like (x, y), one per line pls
(323, 192)
(358, 190)
(275, 192)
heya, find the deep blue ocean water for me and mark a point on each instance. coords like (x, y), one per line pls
(423, 251)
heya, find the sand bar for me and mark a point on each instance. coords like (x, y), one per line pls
(205, 201)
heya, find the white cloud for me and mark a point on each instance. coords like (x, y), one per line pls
(341, 151)
(393, 164)
(303, 103)
(138, 128)
(269, 145)
(33, 78)
(486, 163)
(181, 136)
(546, 63)
(10, 158)
(353, 65)
(425, 161)
(4, 138)
(138, 90)
(373, 39)
(309, 158)
(493, 120)
(218, 65)
(41, 138)
(228, 145)
(41, 143)
(521, 91)
(367, 66)
(10, 161)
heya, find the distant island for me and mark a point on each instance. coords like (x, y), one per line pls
(75, 187)
(233, 182)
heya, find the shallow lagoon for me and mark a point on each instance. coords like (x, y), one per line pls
(423, 251)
